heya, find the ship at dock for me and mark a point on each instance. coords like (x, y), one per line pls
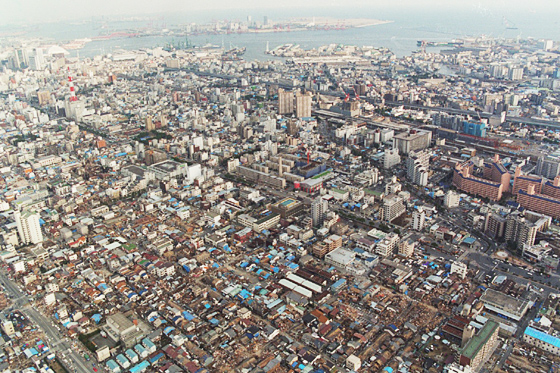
(453, 43)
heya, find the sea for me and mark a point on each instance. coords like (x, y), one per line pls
(407, 26)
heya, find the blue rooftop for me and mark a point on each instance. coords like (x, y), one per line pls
(543, 336)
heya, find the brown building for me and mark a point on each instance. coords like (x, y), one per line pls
(44, 97)
(494, 183)
(540, 203)
(285, 102)
(522, 182)
(154, 156)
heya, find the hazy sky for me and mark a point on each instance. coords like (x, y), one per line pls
(33, 11)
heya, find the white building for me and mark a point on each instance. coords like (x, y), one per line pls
(28, 226)
(319, 208)
(418, 219)
(541, 335)
(459, 268)
(353, 362)
(391, 158)
(387, 246)
(393, 207)
(418, 163)
(451, 199)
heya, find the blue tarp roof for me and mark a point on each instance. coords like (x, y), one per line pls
(187, 316)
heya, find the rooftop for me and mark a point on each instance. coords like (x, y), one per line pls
(480, 339)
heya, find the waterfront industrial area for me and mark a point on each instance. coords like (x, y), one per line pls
(339, 209)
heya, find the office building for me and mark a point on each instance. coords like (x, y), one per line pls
(261, 177)
(353, 362)
(44, 97)
(414, 140)
(391, 158)
(459, 268)
(505, 305)
(474, 128)
(418, 219)
(417, 164)
(479, 348)
(319, 208)
(393, 207)
(548, 166)
(285, 102)
(303, 104)
(36, 59)
(28, 226)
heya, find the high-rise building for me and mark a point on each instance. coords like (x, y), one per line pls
(495, 225)
(319, 208)
(36, 60)
(495, 181)
(480, 347)
(417, 164)
(418, 219)
(522, 182)
(474, 128)
(28, 226)
(544, 203)
(516, 73)
(522, 228)
(391, 158)
(495, 171)
(548, 166)
(285, 102)
(150, 126)
(498, 71)
(303, 104)
(393, 207)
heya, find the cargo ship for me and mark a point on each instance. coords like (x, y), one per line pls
(424, 43)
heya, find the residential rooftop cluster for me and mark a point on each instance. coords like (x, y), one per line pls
(179, 210)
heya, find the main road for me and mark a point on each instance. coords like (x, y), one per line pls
(72, 360)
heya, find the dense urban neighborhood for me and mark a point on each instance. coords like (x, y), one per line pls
(339, 209)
